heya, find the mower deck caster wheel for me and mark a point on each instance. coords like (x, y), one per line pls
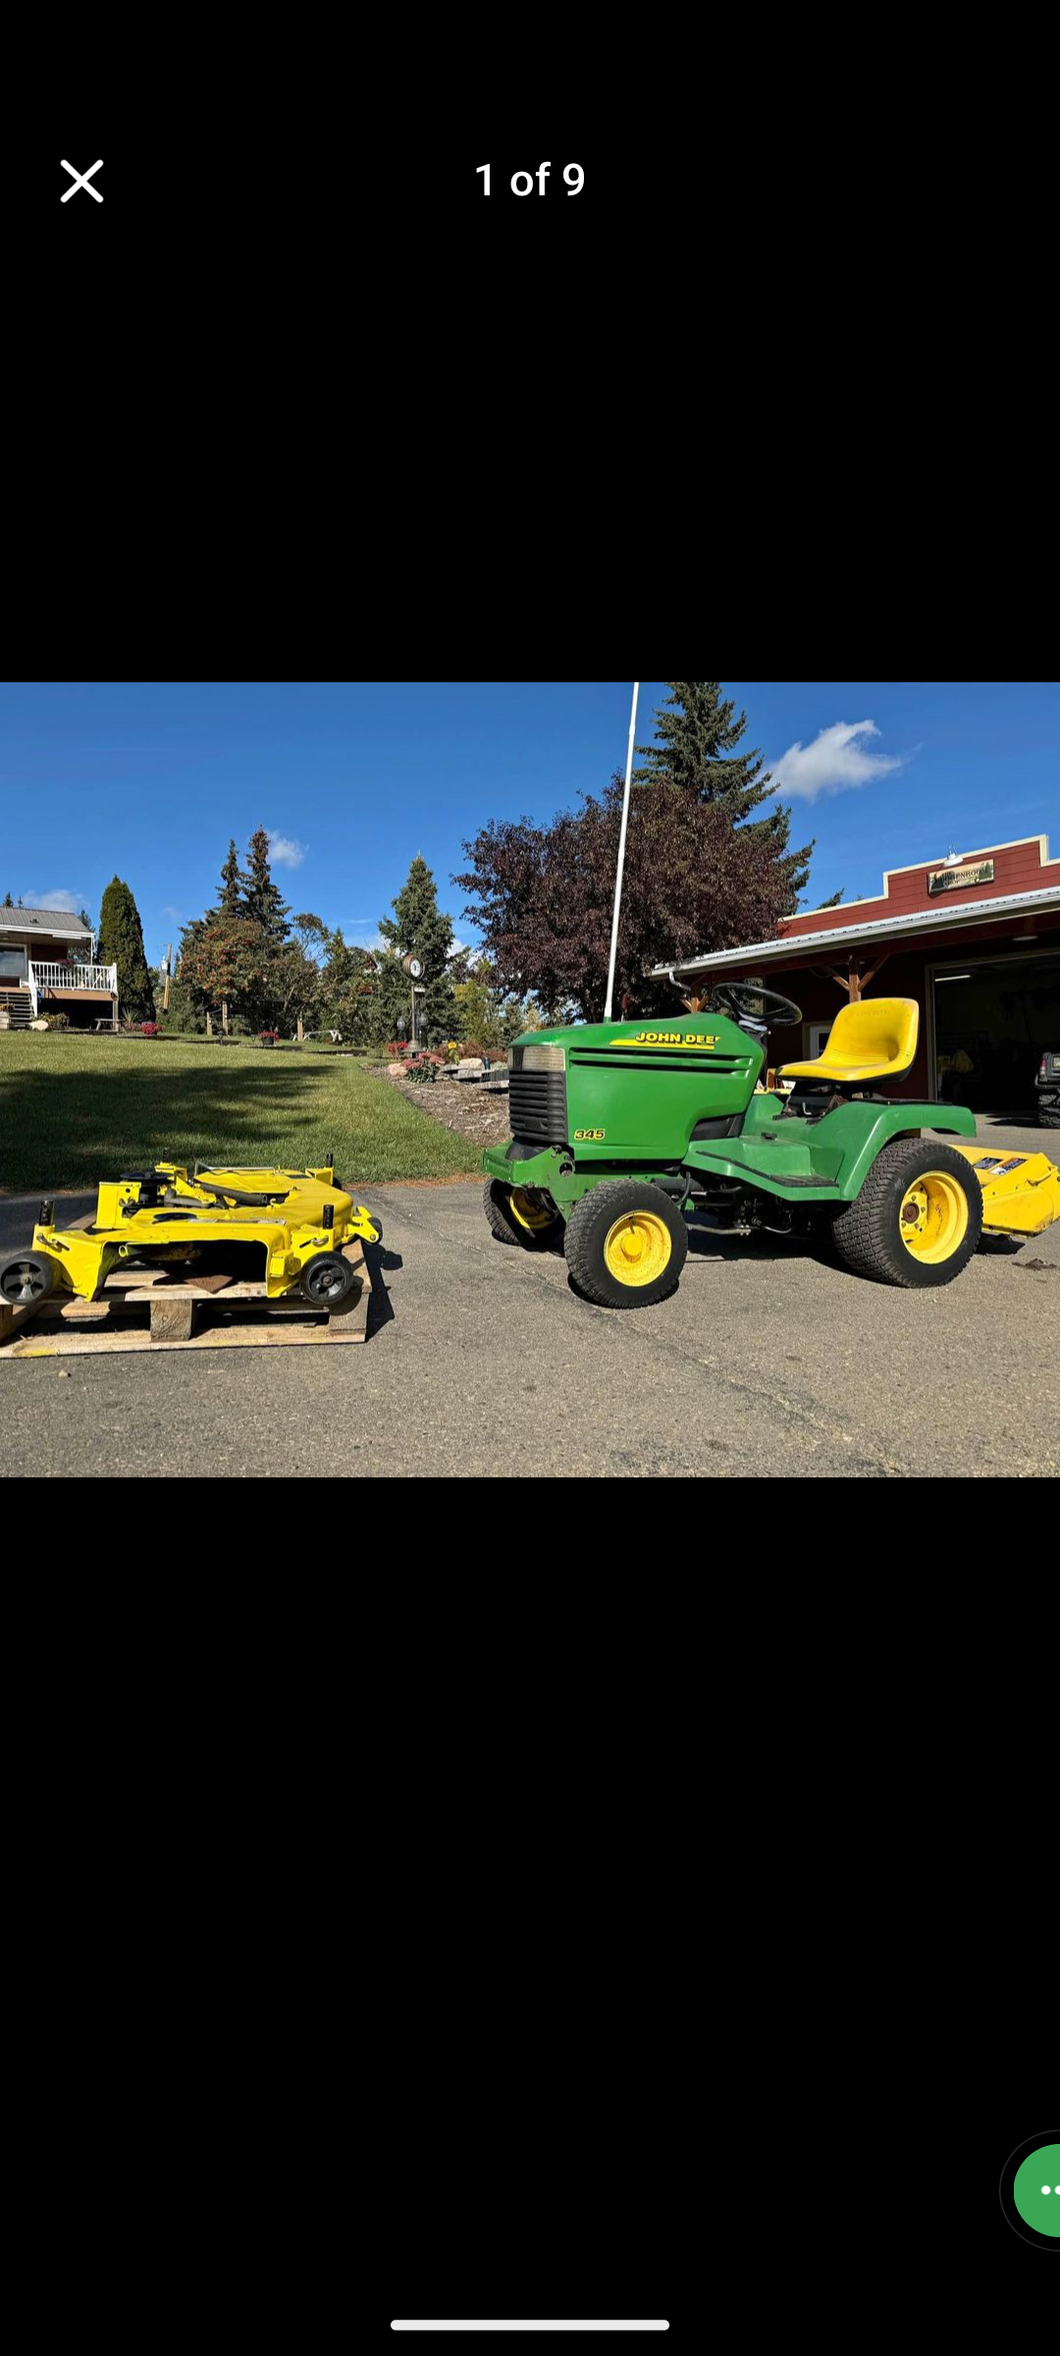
(25, 1277)
(327, 1280)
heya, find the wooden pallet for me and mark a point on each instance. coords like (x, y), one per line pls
(148, 1309)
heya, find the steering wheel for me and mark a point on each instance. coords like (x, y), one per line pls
(762, 1006)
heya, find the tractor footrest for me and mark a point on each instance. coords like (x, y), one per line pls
(784, 1177)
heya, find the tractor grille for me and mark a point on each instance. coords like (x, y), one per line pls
(537, 1105)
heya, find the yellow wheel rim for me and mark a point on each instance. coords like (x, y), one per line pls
(529, 1215)
(637, 1248)
(933, 1219)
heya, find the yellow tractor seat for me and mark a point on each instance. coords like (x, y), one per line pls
(875, 1039)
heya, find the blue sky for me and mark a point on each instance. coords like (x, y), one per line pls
(149, 781)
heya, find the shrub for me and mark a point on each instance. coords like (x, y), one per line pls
(268, 1038)
(424, 1069)
(149, 1030)
(58, 1022)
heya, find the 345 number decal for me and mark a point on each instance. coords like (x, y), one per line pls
(589, 1136)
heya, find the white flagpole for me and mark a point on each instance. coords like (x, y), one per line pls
(621, 855)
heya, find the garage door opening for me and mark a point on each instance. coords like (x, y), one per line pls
(993, 1023)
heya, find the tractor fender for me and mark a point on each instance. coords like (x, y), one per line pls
(887, 1123)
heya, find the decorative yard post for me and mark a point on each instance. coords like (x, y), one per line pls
(414, 968)
(209, 1024)
(301, 1030)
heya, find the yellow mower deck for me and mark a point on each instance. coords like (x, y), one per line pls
(1021, 1191)
(308, 1216)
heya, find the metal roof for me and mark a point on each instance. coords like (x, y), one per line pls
(925, 920)
(56, 921)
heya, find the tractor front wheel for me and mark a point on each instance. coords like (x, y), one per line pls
(918, 1218)
(515, 1215)
(626, 1244)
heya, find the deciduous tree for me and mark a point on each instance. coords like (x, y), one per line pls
(542, 896)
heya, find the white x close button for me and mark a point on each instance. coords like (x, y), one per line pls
(80, 180)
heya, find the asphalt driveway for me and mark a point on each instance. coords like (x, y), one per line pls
(481, 1360)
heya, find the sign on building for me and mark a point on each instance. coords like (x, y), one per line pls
(951, 879)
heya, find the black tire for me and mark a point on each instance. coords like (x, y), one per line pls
(25, 1277)
(593, 1221)
(1049, 1116)
(503, 1224)
(869, 1231)
(327, 1280)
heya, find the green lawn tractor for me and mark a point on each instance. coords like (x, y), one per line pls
(619, 1129)
(285, 1228)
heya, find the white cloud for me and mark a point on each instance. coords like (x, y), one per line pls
(835, 760)
(71, 902)
(283, 852)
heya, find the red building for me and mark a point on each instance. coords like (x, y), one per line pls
(974, 938)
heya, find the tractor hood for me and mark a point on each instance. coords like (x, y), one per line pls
(711, 1035)
(639, 1089)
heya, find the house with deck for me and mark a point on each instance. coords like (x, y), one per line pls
(47, 966)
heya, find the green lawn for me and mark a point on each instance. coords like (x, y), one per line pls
(73, 1110)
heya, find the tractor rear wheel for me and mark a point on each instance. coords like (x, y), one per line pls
(918, 1218)
(1049, 1116)
(516, 1216)
(626, 1244)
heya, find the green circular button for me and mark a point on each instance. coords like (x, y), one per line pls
(1036, 2190)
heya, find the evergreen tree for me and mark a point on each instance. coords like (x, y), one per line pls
(350, 999)
(479, 1011)
(8, 901)
(229, 901)
(121, 943)
(262, 902)
(696, 739)
(418, 928)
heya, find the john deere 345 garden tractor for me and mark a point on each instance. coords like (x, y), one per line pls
(620, 1128)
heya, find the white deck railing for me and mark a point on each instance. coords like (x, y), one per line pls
(74, 977)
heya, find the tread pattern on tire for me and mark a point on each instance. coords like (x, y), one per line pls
(582, 1245)
(498, 1224)
(505, 1229)
(1049, 1120)
(861, 1234)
